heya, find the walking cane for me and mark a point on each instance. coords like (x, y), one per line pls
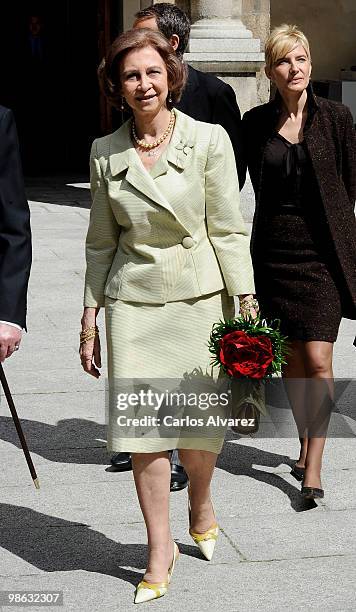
(11, 404)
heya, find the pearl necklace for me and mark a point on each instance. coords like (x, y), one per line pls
(147, 146)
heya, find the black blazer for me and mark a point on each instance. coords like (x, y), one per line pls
(330, 139)
(207, 98)
(15, 231)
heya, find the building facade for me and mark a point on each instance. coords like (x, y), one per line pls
(52, 85)
(330, 26)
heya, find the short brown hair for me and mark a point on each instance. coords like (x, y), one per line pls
(109, 69)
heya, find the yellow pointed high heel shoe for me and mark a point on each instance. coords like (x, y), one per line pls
(205, 541)
(147, 591)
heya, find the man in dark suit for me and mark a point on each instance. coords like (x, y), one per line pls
(205, 98)
(15, 239)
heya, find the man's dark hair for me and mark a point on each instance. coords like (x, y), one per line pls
(170, 20)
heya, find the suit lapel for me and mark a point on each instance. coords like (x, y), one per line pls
(123, 156)
(141, 179)
(179, 149)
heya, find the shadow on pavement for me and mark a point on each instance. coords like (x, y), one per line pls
(55, 545)
(81, 441)
(240, 460)
(69, 441)
(71, 190)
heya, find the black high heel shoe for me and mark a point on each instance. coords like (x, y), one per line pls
(312, 493)
(298, 472)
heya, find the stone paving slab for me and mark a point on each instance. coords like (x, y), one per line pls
(50, 380)
(37, 339)
(75, 466)
(276, 495)
(61, 545)
(86, 403)
(43, 438)
(270, 452)
(283, 536)
(61, 356)
(262, 587)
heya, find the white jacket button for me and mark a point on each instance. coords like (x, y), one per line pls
(188, 242)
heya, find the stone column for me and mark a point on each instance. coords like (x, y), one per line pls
(213, 21)
(220, 43)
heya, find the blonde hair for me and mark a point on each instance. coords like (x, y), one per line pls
(281, 41)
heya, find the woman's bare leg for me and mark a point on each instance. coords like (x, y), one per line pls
(199, 466)
(152, 474)
(295, 387)
(318, 365)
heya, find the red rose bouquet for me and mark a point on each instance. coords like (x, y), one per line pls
(248, 351)
(244, 355)
(248, 348)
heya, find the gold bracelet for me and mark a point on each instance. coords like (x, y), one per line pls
(88, 334)
(248, 303)
(87, 337)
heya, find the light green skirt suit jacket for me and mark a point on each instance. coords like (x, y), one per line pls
(166, 252)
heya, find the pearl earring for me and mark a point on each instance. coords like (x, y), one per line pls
(122, 107)
(170, 97)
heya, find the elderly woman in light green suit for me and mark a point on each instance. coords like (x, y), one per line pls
(166, 252)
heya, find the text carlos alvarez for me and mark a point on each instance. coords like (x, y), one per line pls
(186, 421)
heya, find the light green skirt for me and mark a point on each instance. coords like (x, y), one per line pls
(158, 345)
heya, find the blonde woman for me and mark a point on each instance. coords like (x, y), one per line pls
(166, 252)
(301, 154)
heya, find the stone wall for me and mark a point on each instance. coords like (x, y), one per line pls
(130, 8)
(256, 17)
(251, 88)
(330, 26)
(184, 5)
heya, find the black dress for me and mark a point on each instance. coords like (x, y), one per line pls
(294, 262)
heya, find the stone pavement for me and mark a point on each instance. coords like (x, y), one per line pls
(83, 533)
